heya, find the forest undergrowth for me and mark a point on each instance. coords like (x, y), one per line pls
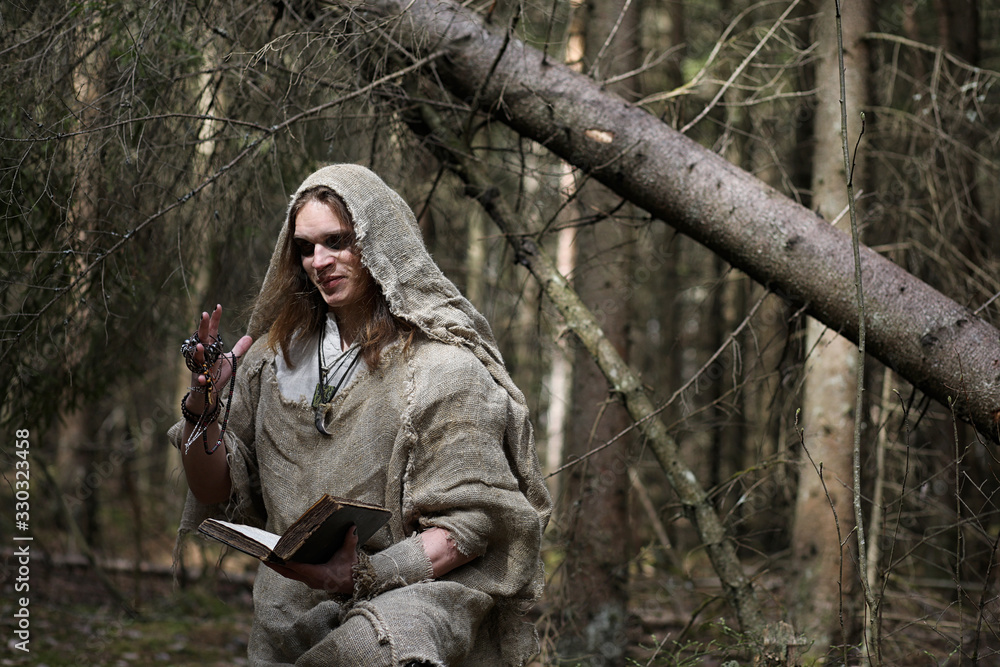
(76, 622)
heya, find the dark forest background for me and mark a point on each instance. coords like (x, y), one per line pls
(147, 154)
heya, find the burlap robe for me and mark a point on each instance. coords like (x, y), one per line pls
(438, 434)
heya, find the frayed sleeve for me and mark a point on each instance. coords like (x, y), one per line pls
(401, 564)
(460, 478)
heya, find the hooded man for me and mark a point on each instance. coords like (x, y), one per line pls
(371, 378)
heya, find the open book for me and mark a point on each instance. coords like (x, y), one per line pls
(313, 538)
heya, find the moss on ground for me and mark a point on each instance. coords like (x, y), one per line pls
(74, 624)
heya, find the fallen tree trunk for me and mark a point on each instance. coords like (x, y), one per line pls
(939, 346)
(625, 383)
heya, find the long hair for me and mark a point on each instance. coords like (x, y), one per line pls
(300, 306)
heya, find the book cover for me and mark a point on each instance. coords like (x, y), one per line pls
(313, 538)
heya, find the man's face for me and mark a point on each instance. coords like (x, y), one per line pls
(326, 246)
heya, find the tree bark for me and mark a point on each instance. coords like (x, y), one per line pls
(593, 596)
(823, 508)
(958, 27)
(935, 343)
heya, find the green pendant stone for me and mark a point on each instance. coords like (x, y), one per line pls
(322, 395)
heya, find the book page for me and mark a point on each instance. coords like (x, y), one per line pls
(262, 536)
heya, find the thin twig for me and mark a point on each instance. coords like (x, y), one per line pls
(985, 305)
(742, 66)
(950, 57)
(508, 35)
(132, 121)
(872, 629)
(696, 80)
(593, 71)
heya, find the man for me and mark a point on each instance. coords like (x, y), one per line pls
(377, 381)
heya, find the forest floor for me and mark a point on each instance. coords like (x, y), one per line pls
(76, 621)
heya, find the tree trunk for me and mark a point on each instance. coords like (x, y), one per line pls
(935, 343)
(560, 376)
(594, 591)
(823, 510)
(958, 27)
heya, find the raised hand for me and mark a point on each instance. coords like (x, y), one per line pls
(220, 364)
(207, 475)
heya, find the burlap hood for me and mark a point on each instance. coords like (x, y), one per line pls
(393, 250)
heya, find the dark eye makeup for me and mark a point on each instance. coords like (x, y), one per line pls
(335, 242)
(304, 248)
(339, 241)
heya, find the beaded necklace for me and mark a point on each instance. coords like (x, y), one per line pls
(343, 365)
(212, 353)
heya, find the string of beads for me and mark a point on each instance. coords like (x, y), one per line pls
(212, 353)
